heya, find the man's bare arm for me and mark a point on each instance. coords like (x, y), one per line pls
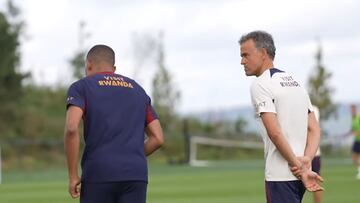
(72, 147)
(155, 137)
(313, 138)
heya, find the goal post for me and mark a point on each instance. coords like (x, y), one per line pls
(226, 143)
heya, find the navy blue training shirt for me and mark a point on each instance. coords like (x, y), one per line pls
(116, 113)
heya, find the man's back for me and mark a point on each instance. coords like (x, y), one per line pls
(278, 92)
(115, 116)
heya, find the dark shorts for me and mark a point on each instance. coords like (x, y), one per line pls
(114, 192)
(284, 191)
(316, 164)
(356, 147)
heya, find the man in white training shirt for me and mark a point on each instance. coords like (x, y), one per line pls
(291, 133)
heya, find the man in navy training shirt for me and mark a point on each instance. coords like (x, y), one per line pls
(116, 114)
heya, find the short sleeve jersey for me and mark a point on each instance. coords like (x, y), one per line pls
(116, 112)
(278, 92)
(355, 126)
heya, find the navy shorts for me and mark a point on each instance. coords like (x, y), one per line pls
(114, 192)
(356, 147)
(316, 164)
(284, 191)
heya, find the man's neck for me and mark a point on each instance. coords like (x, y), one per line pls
(265, 66)
(105, 69)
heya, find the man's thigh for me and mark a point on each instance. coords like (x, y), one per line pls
(97, 192)
(114, 192)
(284, 191)
(316, 164)
(134, 192)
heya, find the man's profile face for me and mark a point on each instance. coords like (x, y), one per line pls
(251, 58)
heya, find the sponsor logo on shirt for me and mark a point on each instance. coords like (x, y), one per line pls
(258, 105)
(288, 81)
(115, 81)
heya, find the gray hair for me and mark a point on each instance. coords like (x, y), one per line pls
(262, 39)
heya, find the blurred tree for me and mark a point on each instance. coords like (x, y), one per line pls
(149, 49)
(46, 122)
(165, 97)
(78, 64)
(78, 61)
(164, 94)
(320, 91)
(240, 125)
(143, 51)
(11, 30)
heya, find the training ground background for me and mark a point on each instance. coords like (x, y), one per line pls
(225, 182)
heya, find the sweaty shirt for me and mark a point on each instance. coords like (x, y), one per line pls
(116, 112)
(278, 92)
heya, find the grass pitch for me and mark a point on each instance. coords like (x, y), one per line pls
(225, 182)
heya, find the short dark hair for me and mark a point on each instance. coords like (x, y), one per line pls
(262, 39)
(101, 53)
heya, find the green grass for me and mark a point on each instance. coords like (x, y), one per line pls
(226, 182)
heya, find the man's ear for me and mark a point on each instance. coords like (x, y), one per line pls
(88, 67)
(263, 52)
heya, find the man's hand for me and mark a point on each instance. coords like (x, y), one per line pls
(310, 179)
(306, 163)
(75, 187)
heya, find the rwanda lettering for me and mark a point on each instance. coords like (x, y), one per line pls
(115, 82)
(288, 81)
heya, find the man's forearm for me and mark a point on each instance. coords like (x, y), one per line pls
(72, 150)
(312, 144)
(313, 136)
(151, 145)
(155, 137)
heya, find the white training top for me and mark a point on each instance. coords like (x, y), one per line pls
(278, 92)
